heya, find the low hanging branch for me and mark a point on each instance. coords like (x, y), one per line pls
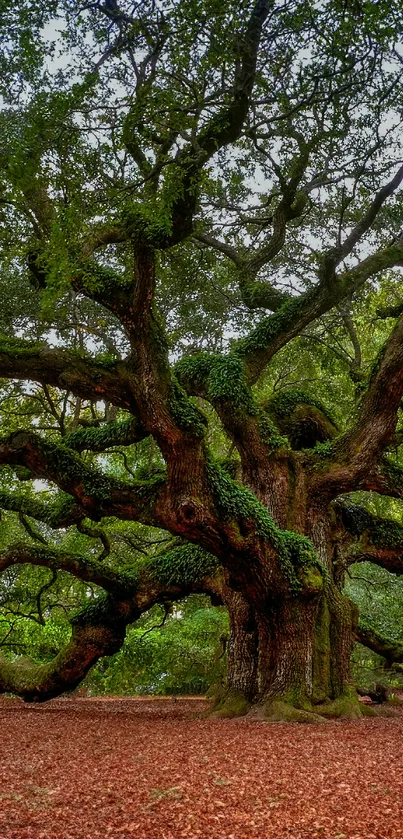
(99, 629)
(391, 650)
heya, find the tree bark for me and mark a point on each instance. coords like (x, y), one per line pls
(289, 653)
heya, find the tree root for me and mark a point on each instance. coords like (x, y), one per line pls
(279, 711)
(229, 704)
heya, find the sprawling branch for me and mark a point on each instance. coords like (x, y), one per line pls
(376, 419)
(88, 570)
(120, 433)
(95, 494)
(61, 512)
(366, 221)
(68, 370)
(369, 637)
(275, 331)
(223, 129)
(386, 478)
(99, 629)
(377, 540)
(255, 295)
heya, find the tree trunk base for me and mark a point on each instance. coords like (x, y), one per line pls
(280, 711)
(228, 704)
(345, 707)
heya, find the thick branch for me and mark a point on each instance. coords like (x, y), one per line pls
(95, 493)
(66, 369)
(275, 331)
(376, 419)
(224, 128)
(377, 540)
(88, 570)
(121, 433)
(61, 512)
(369, 637)
(99, 629)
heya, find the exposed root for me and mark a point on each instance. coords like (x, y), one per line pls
(345, 707)
(279, 711)
(231, 703)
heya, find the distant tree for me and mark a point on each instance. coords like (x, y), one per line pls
(194, 195)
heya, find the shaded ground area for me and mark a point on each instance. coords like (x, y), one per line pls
(89, 768)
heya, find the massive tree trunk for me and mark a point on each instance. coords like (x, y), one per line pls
(289, 652)
(292, 659)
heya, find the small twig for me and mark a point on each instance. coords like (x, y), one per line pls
(167, 609)
(30, 530)
(96, 533)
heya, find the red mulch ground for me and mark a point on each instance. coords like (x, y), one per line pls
(135, 769)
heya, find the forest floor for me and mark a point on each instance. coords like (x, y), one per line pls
(153, 769)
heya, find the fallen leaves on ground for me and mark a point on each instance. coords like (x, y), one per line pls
(154, 769)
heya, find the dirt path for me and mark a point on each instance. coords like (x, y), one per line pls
(128, 769)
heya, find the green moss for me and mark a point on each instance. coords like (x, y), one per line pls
(67, 466)
(232, 703)
(368, 710)
(184, 564)
(283, 403)
(386, 533)
(346, 707)
(185, 413)
(303, 419)
(260, 294)
(53, 513)
(321, 654)
(324, 450)
(230, 466)
(221, 377)
(149, 221)
(66, 463)
(104, 613)
(271, 327)
(19, 348)
(280, 711)
(296, 552)
(393, 474)
(113, 434)
(270, 434)
(311, 579)
(22, 473)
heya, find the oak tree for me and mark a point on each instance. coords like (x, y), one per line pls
(190, 188)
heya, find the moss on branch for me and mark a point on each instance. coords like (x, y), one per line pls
(390, 649)
(60, 512)
(83, 567)
(377, 531)
(186, 414)
(238, 506)
(182, 565)
(96, 493)
(121, 433)
(219, 378)
(303, 419)
(88, 377)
